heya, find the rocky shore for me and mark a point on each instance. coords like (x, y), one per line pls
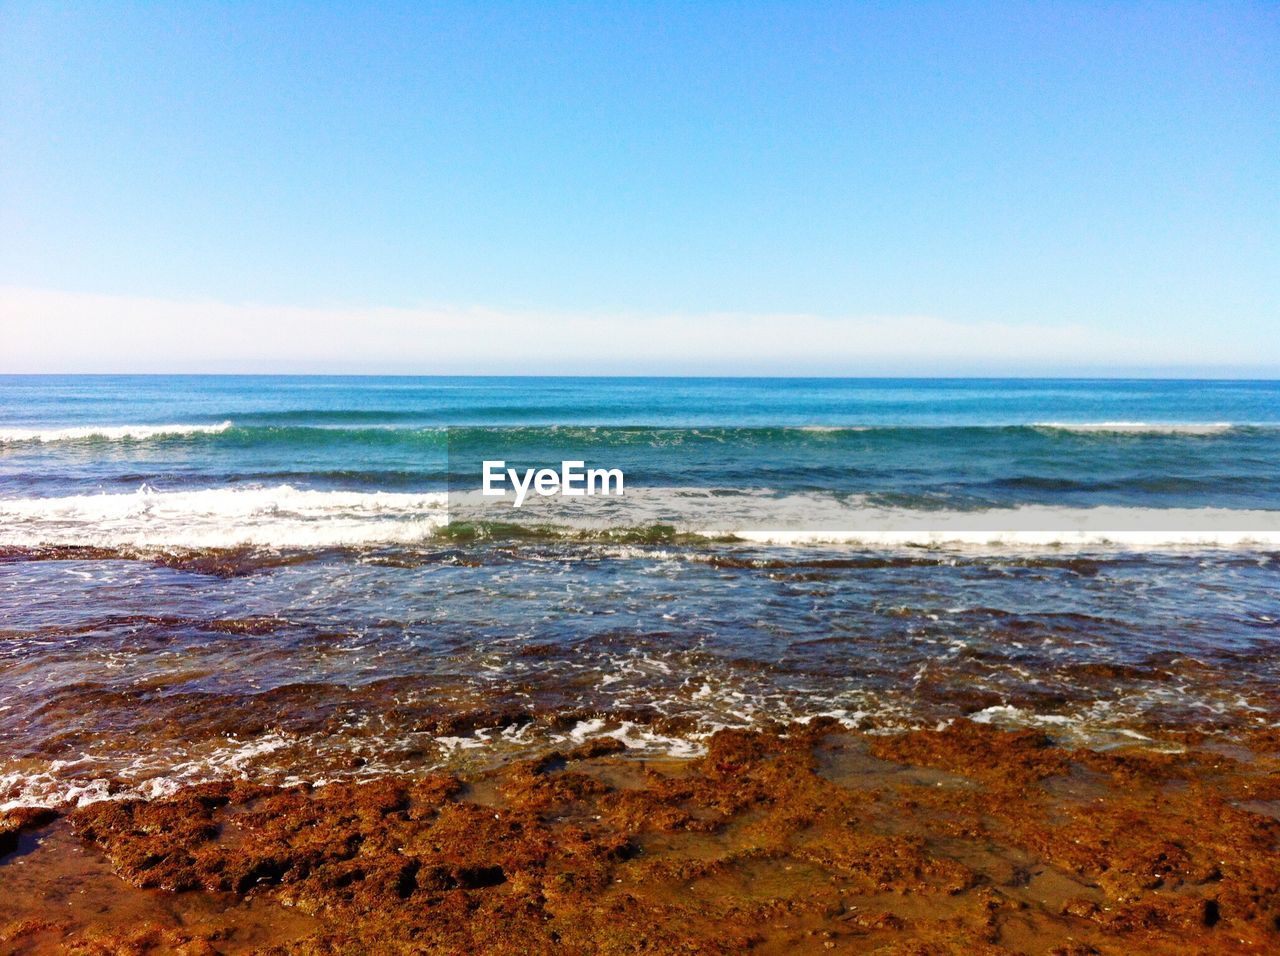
(808, 838)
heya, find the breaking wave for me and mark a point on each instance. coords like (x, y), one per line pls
(287, 517)
(1141, 428)
(16, 436)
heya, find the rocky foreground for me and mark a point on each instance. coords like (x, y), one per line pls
(801, 839)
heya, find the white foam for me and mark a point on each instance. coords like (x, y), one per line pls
(813, 518)
(1151, 428)
(1006, 712)
(9, 436)
(64, 783)
(637, 737)
(1023, 539)
(280, 516)
(283, 516)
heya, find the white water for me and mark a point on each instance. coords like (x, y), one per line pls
(276, 517)
(11, 436)
(287, 517)
(1140, 428)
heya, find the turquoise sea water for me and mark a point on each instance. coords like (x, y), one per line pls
(926, 443)
(275, 577)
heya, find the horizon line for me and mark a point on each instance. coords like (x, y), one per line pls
(1154, 377)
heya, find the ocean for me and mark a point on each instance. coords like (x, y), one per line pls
(292, 578)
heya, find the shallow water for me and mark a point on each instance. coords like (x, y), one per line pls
(119, 675)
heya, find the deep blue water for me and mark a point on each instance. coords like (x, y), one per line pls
(678, 402)
(911, 443)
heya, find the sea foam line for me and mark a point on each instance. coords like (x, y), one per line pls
(1141, 428)
(11, 436)
(286, 517)
(1020, 540)
(277, 517)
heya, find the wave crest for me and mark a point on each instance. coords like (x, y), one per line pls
(1140, 428)
(286, 517)
(278, 517)
(15, 436)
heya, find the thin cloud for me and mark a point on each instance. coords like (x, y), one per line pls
(50, 331)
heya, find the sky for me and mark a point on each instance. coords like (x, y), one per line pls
(751, 188)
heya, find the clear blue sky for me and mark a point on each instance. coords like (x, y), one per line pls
(1111, 166)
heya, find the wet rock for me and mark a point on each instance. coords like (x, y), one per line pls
(964, 839)
(16, 821)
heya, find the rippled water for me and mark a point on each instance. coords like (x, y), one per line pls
(261, 577)
(124, 671)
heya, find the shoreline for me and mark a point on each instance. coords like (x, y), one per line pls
(807, 838)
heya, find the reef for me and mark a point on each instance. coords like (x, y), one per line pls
(803, 838)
